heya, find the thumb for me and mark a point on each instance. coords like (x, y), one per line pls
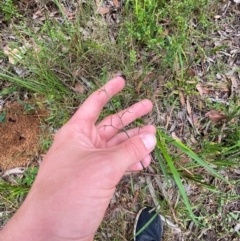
(134, 149)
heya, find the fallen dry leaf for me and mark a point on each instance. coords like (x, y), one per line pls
(116, 3)
(234, 84)
(184, 159)
(37, 14)
(158, 91)
(193, 140)
(202, 89)
(216, 115)
(233, 81)
(182, 99)
(16, 170)
(103, 10)
(175, 137)
(164, 33)
(148, 77)
(223, 86)
(68, 14)
(13, 54)
(189, 109)
(79, 88)
(191, 72)
(195, 121)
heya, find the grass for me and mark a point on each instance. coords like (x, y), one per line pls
(161, 39)
(9, 10)
(13, 190)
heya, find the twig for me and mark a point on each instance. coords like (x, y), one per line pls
(120, 118)
(226, 8)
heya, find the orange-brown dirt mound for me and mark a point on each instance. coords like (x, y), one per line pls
(19, 137)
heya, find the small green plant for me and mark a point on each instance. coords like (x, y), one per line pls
(21, 186)
(165, 29)
(14, 192)
(133, 57)
(8, 91)
(9, 10)
(29, 176)
(3, 116)
(27, 107)
(11, 191)
(145, 26)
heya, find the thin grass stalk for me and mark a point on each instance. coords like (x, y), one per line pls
(176, 176)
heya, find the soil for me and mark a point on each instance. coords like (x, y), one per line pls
(19, 137)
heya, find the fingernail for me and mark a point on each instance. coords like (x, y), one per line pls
(122, 75)
(149, 140)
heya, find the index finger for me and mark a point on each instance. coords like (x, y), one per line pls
(93, 105)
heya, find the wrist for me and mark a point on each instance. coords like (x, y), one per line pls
(28, 225)
(21, 227)
(15, 232)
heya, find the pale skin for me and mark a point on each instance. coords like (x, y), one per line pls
(78, 175)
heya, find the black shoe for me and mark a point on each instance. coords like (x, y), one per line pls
(153, 231)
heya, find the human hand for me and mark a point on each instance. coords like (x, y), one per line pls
(78, 175)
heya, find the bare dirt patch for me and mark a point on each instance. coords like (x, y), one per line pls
(19, 137)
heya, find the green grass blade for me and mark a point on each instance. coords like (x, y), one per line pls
(37, 87)
(160, 161)
(193, 155)
(176, 176)
(146, 225)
